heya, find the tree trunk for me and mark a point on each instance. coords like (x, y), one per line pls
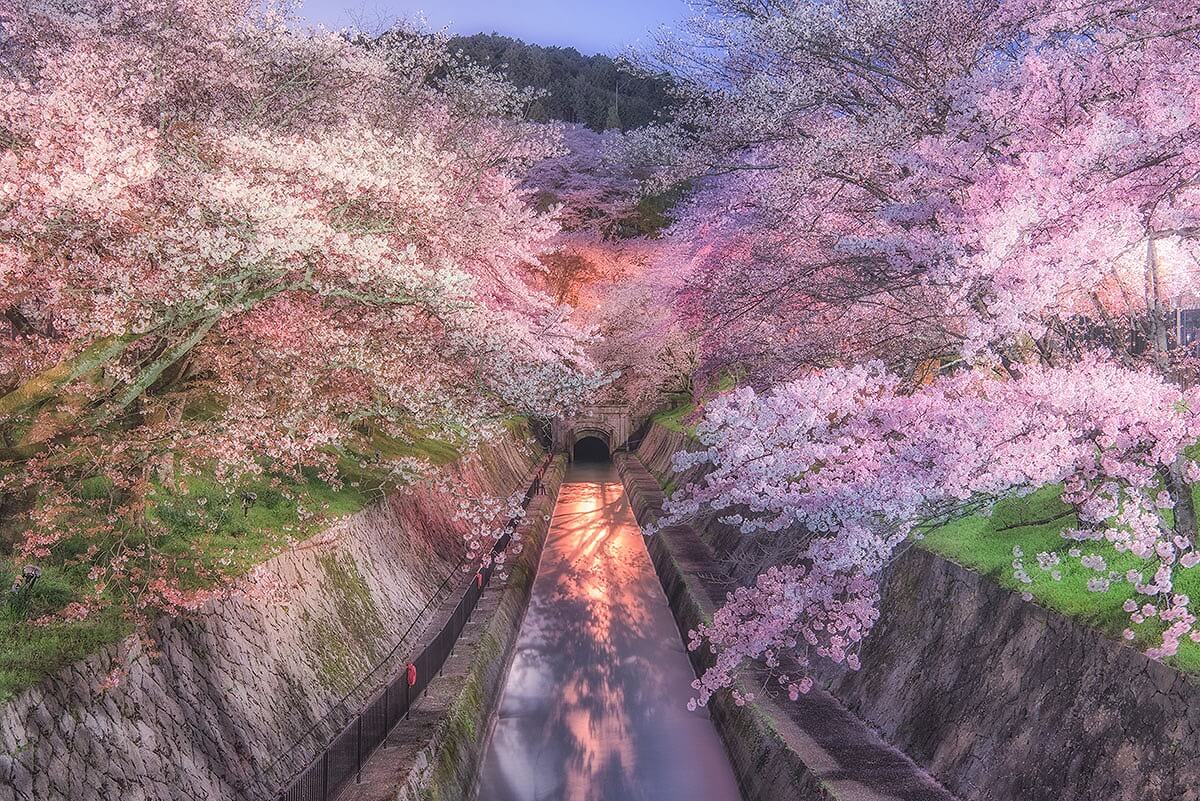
(1181, 494)
(1177, 485)
(1156, 310)
(46, 383)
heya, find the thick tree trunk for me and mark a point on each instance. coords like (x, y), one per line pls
(46, 383)
(1177, 485)
(152, 373)
(1181, 493)
(1157, 310)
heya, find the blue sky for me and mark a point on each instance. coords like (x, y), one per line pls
(591, 26)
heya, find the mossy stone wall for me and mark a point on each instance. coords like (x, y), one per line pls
(213, 713)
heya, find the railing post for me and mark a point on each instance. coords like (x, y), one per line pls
(358, 752)
(325, 775)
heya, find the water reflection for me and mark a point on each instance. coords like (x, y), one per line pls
(595, 704)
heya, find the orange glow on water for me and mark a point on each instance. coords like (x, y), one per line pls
(595, 703)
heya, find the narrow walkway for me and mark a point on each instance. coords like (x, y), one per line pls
(594, 708)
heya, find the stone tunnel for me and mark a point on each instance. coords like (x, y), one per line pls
(607, 425)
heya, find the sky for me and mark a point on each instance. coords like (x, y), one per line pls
(590, 26)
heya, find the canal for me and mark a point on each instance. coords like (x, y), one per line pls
(595, 704)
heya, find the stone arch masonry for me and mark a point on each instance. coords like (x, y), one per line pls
(608, 423)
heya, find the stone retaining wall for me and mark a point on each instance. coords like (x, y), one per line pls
(812, 750)
(238, 683)
(1003, 700)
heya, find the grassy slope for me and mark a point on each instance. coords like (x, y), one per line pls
(677, 416)
(1035, 524)
(206, 525)
(674, 417)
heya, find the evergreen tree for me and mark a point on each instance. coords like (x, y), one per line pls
(578, 88)
(614, 112)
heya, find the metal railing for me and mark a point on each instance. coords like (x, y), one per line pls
(345, 755)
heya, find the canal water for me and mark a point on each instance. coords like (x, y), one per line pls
(595, 705)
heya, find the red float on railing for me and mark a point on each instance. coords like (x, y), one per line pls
(479, 580)
(412, 674)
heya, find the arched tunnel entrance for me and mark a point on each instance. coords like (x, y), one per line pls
(591, 449)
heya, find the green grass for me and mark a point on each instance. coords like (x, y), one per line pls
(1035, 523)
(675, 417)
(205, 531)
(29, 653)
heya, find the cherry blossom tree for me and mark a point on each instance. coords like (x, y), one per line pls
(611, 266)
(640, 337)
(851, 466)
(935, 237)
(792, 117)
(228, 243)
(877, 190)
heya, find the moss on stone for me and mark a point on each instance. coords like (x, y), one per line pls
(459, 745)
(462, 727)
(356, 609)
(340, 648)
(333, 660)
(465, 718)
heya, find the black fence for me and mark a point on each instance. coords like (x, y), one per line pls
(344, 756)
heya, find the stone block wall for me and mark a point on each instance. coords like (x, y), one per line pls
(221, 714)
(1004, 700)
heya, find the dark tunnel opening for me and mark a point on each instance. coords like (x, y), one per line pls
(591, 449)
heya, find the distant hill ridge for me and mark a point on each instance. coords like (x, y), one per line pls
(588, 90)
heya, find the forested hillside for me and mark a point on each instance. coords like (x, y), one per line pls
(591, 90)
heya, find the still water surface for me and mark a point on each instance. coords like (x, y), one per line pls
(594, 708)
